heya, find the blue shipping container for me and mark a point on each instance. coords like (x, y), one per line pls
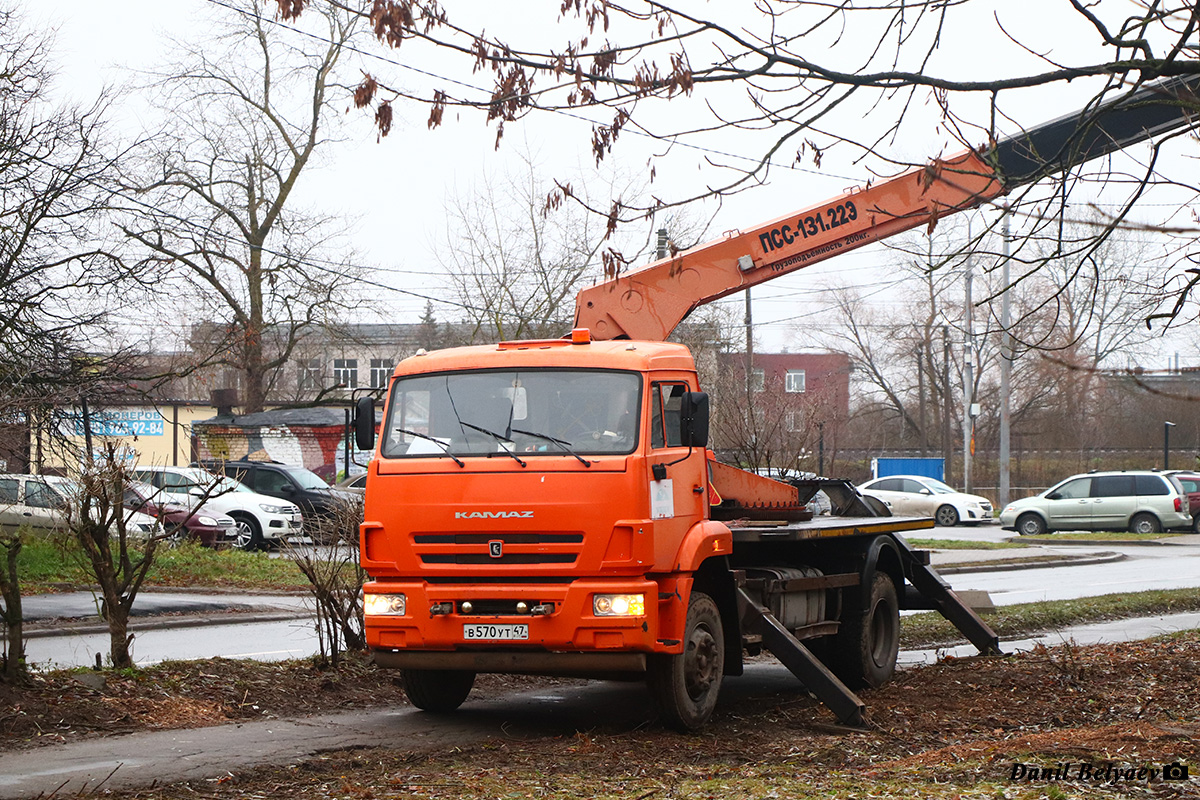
(925, 467)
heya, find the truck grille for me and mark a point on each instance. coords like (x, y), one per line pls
(524, 548)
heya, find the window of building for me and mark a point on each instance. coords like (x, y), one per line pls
(309, 377)
(794, 381)
(381, 370)
(345, 372)
(758, 379)
(794, 420)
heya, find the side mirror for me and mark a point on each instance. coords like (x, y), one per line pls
(693, 419)
(1054, 496)
(364, 423)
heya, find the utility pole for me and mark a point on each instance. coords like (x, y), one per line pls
(968, 378)
(947, 452)
(1006, 359)
(749, 352)
(921, 398)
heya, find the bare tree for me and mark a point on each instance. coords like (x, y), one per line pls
(249, 112)
(516, 255)
(13, 653)
(118, 548)
(60, 271)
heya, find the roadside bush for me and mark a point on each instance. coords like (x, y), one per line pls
(335, 578)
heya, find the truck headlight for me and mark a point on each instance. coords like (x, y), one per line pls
(619, 605)
(384, 604)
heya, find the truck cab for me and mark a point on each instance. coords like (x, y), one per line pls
(533, 507)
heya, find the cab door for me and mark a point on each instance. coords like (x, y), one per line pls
(678, 497)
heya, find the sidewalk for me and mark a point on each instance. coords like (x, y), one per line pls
(77, 613)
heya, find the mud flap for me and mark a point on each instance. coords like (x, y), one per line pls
(792, 653)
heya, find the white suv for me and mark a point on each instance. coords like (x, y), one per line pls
(261, 520)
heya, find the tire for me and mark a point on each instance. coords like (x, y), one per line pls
(249, 534)
(1030, 525)
(686, 685)
(868, 640)
(946, 516)
(437, 691)
(1145, 522)
(1196, 523)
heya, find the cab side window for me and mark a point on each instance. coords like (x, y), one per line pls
(666, 400)
(9, 489)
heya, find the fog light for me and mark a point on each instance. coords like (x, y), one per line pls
(384, 604)
(619, 605)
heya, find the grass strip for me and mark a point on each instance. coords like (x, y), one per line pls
(46, 563)
(963, 544)
(930, 629)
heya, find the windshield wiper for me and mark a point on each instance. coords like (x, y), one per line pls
(500, 439)
(566, 446)
(445, 447)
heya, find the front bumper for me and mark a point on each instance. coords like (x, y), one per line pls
(571, 627)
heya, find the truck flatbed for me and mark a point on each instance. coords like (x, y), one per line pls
(825, 527)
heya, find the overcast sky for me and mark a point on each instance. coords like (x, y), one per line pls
(395, 189)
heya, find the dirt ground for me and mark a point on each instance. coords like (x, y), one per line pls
(1086, 719)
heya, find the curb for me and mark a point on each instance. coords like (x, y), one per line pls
(1095, 542)
(1077, 561)
(163, 623)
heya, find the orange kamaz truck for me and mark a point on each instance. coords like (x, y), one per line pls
(553, 507)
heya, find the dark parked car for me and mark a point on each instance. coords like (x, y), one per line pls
(203, 524)
(317, 499)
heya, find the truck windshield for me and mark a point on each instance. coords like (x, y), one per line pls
(486, 413)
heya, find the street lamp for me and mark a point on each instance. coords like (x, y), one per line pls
(1167, 443)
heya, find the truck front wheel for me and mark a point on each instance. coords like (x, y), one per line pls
(686, 685)
(439, 691)
(866, 645)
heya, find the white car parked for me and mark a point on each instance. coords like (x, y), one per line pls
(39, 503)
(261, 520)
(918, 496)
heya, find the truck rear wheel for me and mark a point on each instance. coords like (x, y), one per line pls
(866, 645)
(686, 686)
(439, 691)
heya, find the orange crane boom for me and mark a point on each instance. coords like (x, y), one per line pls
(650, 303)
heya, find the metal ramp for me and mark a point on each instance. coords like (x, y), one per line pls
(792, 653)
(933, 593)
(928, 591)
